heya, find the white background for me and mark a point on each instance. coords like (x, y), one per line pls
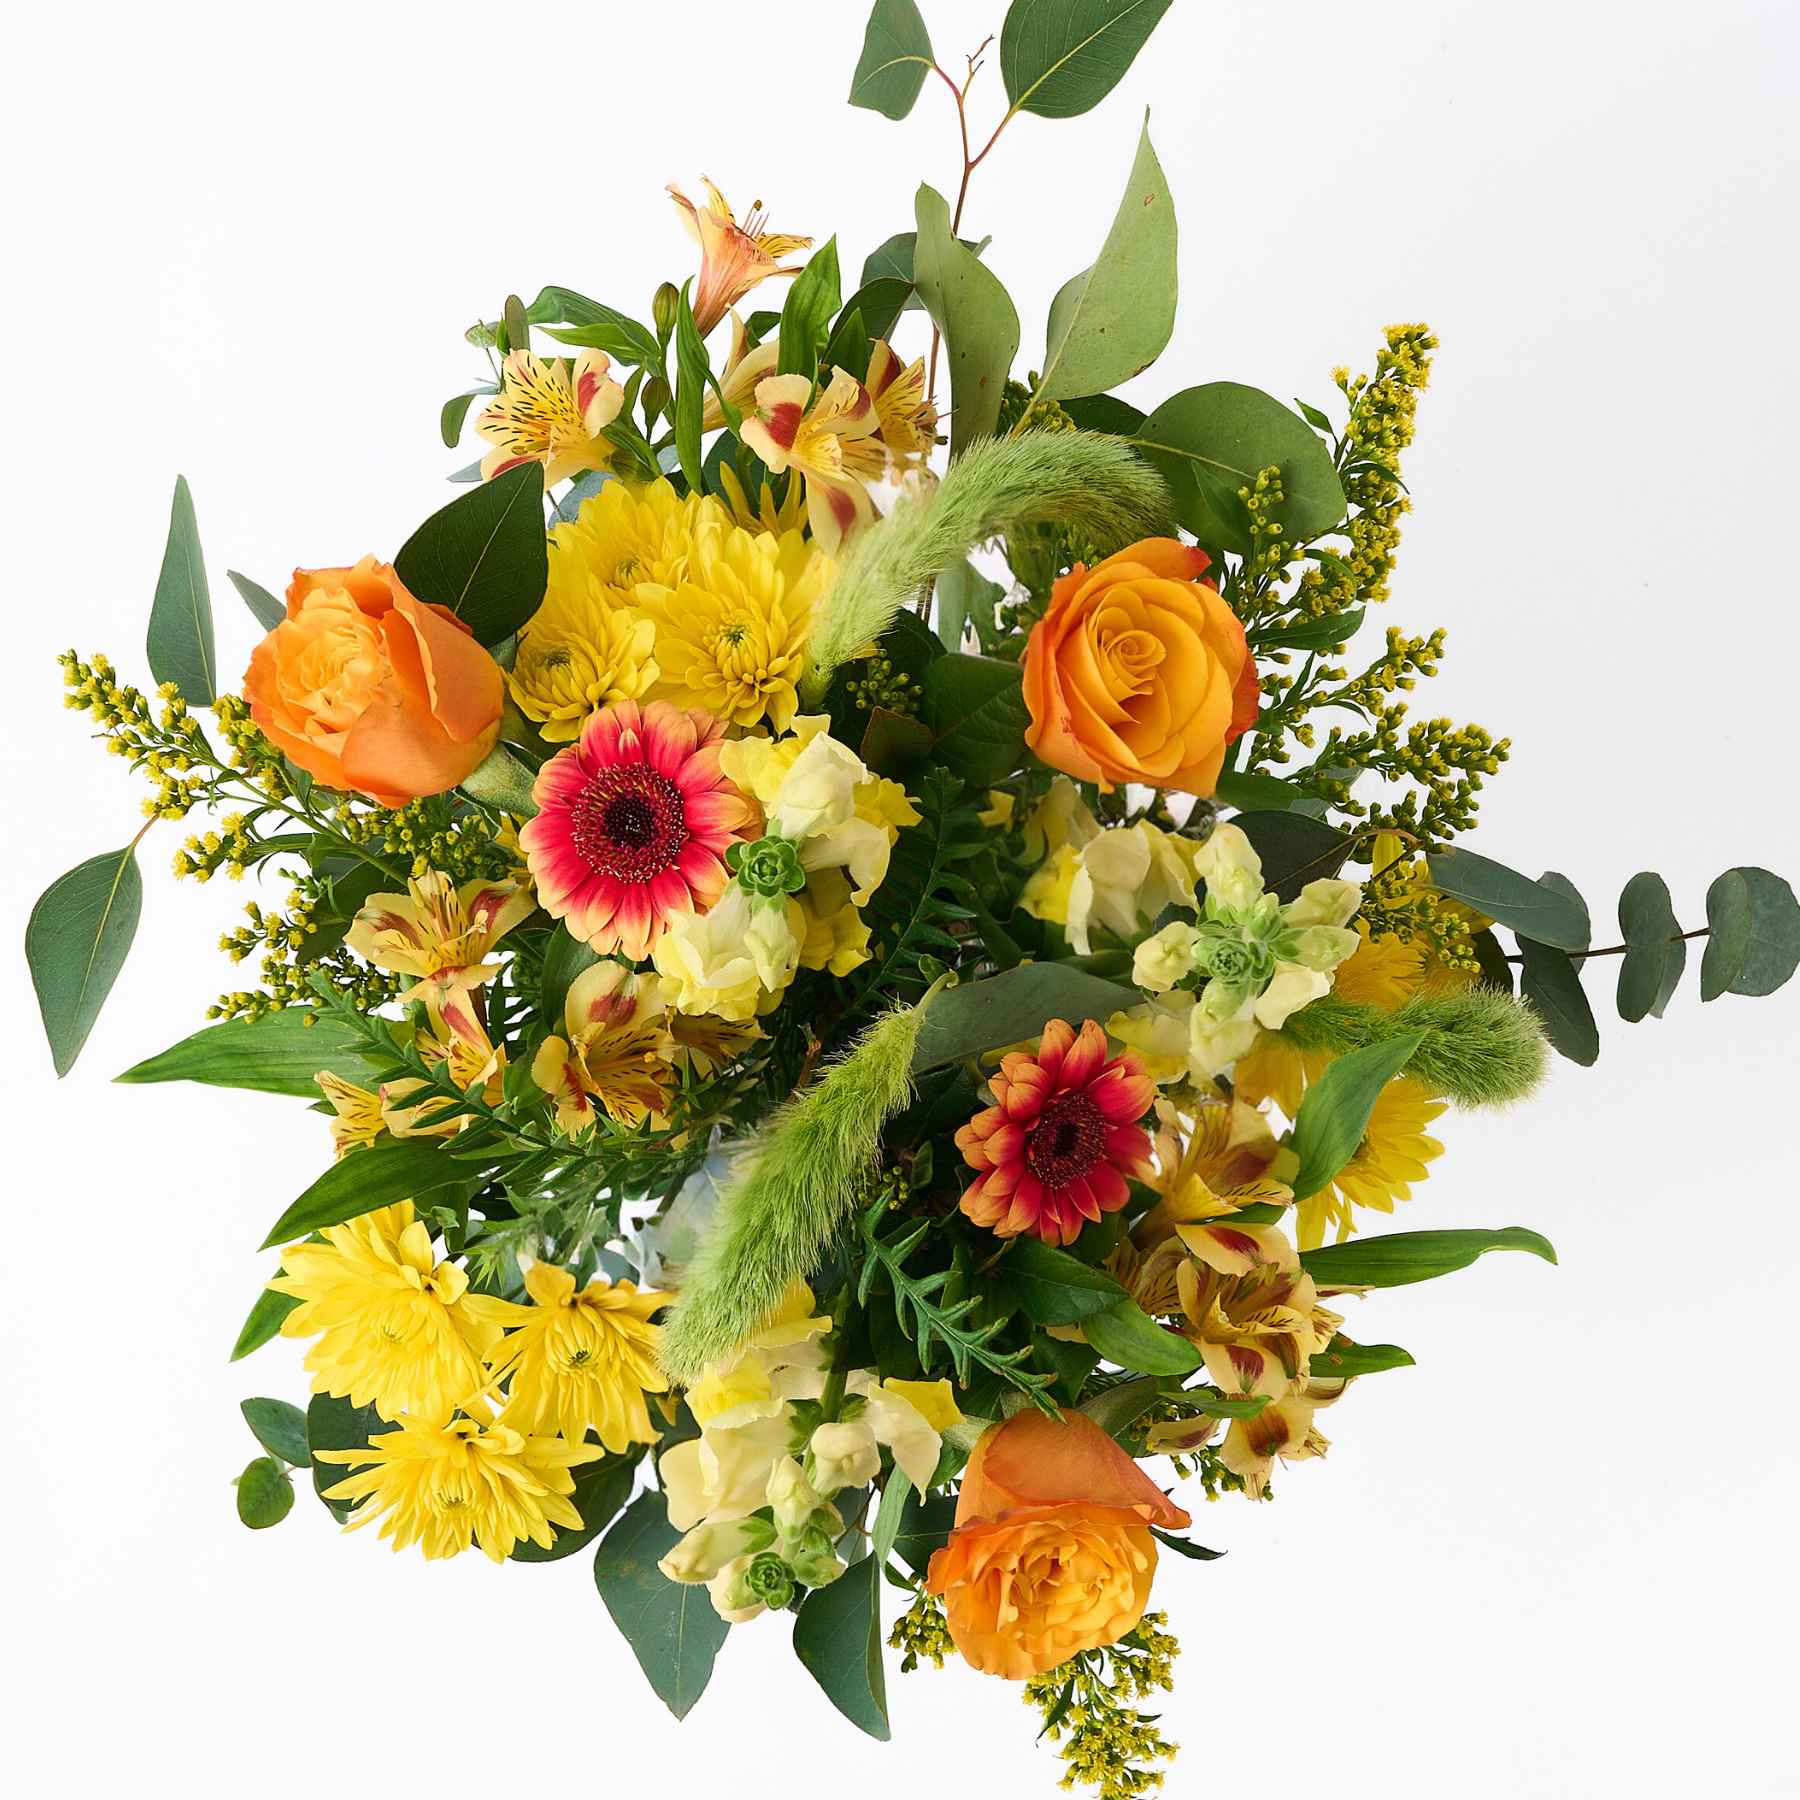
(1558, 1557)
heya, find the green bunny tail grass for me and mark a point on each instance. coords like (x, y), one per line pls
(1481, 1046)
(791, 1190)
(1095, 484)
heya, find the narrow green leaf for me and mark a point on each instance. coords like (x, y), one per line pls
(1655, 954)
(597, 326)
(264, 607)
(1552, 983)
(1525, 906)
(888, 1516)
(454, 414)
(1755, 943)
(76, 942)
(837, 1636)
(1326, 633)
(1335, 1112)
(1116, 1409)
(1340, 1358)
(1053, 1287)
(670, 1625)
(280, 1428)
(979, 322)
(484, 556)
(1114, 319)
(1011, 1008)
(1060, 58)
(896, 58)
(975, 707)
(601, 1490)
(1401, 1257)
(265, 1496)
(1125, 1334)
(692, 372)
(565, 956)
(813, 297)
(1184, 1546)
(180, 643)
(263, 1323)
(365, 1179)
(276, 1053)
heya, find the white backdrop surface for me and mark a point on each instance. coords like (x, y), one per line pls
(1556, 1558)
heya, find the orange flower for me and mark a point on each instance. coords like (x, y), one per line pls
(733, 257)
(1052, 1551)
(1139, 672)
(372, 691)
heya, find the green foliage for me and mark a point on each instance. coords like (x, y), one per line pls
(1294, 849)
(975, 708)
(377, 1175)
(1053, 1287)
(1755, 942)
(263, 1322)
(280, 1428)
(1655, 954)
(1125, 1334)
(813, 298)
(671, 1626)
(1011, 1008)
(601, 1490)
(791, 1191)
(1551, 982)
(265, 1496)
(963, 595)
(896, 58)
(334, 1424)
(76, 942)
(1113, 320)
(484, 556)
(264, 607)
(1341, 1359)
(1060, 58)
(592, 324)
(693, 372)
(1335, 1111)
(979, 322)
(1532, 908)
(279, 1052)
(1398, 1258)
(180, 644)
(837, 1636)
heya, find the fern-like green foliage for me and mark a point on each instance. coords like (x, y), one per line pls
(1096, 485)
(792, 1190)
(1481, 1046)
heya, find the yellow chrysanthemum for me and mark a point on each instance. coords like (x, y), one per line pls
(583, 1359)
(396, 1329)
(731, 636)
(447, 1485)
(1393, 1153)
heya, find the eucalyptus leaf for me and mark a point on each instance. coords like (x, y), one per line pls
(264, 607)
(1335, 1111)
(1125, 1334)
(1655, 954)
(979, 323)
(280, 1428)
(1114, 319)
(1294, 849)
(265, 1496)
(1552, 983)
(180, 643)
(76, 941)
(896, 58)
(333, 1423)
(1528, 907)
(1012, 1008)
(377, 1175)
(925, 1525)
(277, 1052)
(837, 1636)
(1755, 926)
(1561, 884)
(484, 556)
(1053, 1287)
(1258, 793)
(1059, 58)
(1399, 1258)
(454, 414)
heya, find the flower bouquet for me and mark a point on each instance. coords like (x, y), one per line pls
(864, 940)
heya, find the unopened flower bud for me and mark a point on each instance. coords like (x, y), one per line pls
(705, 1550)
(843, 1454)
(664, 307)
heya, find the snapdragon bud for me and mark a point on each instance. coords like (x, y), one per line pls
(705, 1550)
(843, 1454)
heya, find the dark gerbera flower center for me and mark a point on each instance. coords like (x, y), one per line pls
(630, 824)
(1067, 1140)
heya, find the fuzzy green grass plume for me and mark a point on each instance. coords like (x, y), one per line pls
(790, 1193)
(1096, 484)
(1481, 1047)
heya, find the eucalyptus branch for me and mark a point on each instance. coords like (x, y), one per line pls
(1620, 949)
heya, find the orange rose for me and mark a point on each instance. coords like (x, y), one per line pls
(1052, 1551)
(370, 690)
(1139, 672)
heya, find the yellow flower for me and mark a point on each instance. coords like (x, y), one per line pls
(396, 1330)
(551, 413)
(436, 928)
(731, 636)
(997, 815)
(617, 1052)
(582, 1359)
(745, 365)
(360, 1115)
(1258, 1325)
(580, 652)
(908, 420)
(629, 533)
(706, 1045)
(734, 257)
(1392, 1155)
(445, 1484)
(1284, 1429)
(835, 937)
(458, 1039)
(830, 440)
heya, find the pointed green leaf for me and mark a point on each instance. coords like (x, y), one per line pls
(1655, 954)
(1342, 1359)
(1755, 942)
(879, 303)
(1125, 1334)
(813, 298)
(263, 1323)
(1294, 849)
(1059, 58)
(265, 1496)
(1113, 320)
(925, 1526)
(596, 326)
(1335, 1112)
(1258, 793)
(380, 1174)
(896, 58)
(1117, 1408)
(975, 707)
(76, 942)
(671, 1626)
(1011, 1008)
(837, 1635)
(275, 1053)
(1401, 1257)
(693, 370)
(280, 1428)
(1552, 983)
(964, 593)
(334, 1424)
(1526, 906)
(180, 644)
(484, 556)
(979, 322)
(1053, 1287)
(888, 1516)
(264, 607)
(1184, 1546)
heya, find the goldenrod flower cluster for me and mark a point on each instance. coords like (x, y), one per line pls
(1090, 1711)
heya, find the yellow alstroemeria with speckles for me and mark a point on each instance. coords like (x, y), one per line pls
(745, 365)
(360, 1115)
(552, 413)
(734, 256)
(908, 421)
(436, 927)
(830, 441)
(616, 1056)
(575, 1360)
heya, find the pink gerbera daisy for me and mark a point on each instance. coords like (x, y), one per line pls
(1062, 1137)
(633, 820)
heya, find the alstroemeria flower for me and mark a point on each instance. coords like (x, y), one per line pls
(436, 926)
(830, 441)
(733, 257)
(908, 420)
(551, 413)
(745, 365)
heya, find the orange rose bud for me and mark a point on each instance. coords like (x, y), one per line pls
(1139, 672)
(1052, 1551)
(372, 691)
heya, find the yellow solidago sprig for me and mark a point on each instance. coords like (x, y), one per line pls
(1090, 1711)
